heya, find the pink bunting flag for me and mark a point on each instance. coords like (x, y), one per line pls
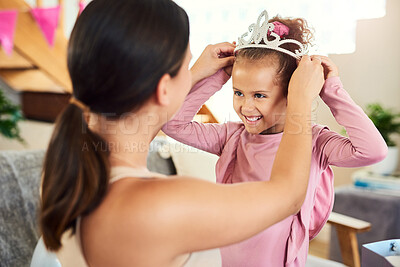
(47, 18)
(8, 19)
(82, 6)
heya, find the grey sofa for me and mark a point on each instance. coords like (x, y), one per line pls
(20, 173)
(19, 200)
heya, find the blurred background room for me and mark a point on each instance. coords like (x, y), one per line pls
(361, 36)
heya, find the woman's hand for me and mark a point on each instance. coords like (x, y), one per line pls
(330, 68)
(213, 58)
(308, 79)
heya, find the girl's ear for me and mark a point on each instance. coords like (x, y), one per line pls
(163, 90)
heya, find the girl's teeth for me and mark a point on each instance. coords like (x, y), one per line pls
(253, 118)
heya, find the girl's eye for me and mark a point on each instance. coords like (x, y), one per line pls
(237, 93)
(259, 96)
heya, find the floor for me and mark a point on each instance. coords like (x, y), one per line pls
(319, 246)
(36, 135)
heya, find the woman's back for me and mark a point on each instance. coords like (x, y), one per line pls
(108, 241)
(124, 219)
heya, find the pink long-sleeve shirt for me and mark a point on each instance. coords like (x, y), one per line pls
(248, 157)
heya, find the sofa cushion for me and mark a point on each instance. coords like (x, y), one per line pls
(190, 161)
(155, 162)
(19, 201)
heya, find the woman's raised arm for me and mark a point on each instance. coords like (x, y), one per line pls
(196, 215)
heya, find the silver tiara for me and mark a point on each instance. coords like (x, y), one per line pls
(261, 32)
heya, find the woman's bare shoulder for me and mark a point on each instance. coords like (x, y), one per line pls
(145, 202)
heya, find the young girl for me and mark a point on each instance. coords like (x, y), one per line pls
(247, 149)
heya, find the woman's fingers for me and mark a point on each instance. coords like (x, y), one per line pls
(213, 58)
(226, 44)
(224, 52)
(227, 61)
(330, 68)
(308, 77)
(224, 49)
(305, 58)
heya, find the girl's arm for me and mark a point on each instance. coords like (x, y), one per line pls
(203, 215)
(209, 137)
(365, 145)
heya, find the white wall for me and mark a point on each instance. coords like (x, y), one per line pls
(372, 73)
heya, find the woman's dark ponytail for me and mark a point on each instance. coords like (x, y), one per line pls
(117, 53)
(75, 175)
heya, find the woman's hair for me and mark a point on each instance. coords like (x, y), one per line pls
(117, 53)
(285, 64)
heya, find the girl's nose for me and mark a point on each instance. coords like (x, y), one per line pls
(247, 106)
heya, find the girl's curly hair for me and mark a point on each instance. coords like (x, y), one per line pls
(286, 64)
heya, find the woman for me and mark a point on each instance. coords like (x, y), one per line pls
(128, 61)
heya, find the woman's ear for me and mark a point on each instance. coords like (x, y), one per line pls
(163, 92)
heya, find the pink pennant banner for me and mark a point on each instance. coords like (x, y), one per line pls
(82, 6)
(8, 19)
(47, 19)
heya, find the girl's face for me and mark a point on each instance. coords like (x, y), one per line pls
(257, 98)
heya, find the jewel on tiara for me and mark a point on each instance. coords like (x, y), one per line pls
(261, 32)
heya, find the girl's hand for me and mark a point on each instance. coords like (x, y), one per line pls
(213, 58)
(330, 68)
(308, 79)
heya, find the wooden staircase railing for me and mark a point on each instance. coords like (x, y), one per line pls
(32, 57)
(38, 72)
